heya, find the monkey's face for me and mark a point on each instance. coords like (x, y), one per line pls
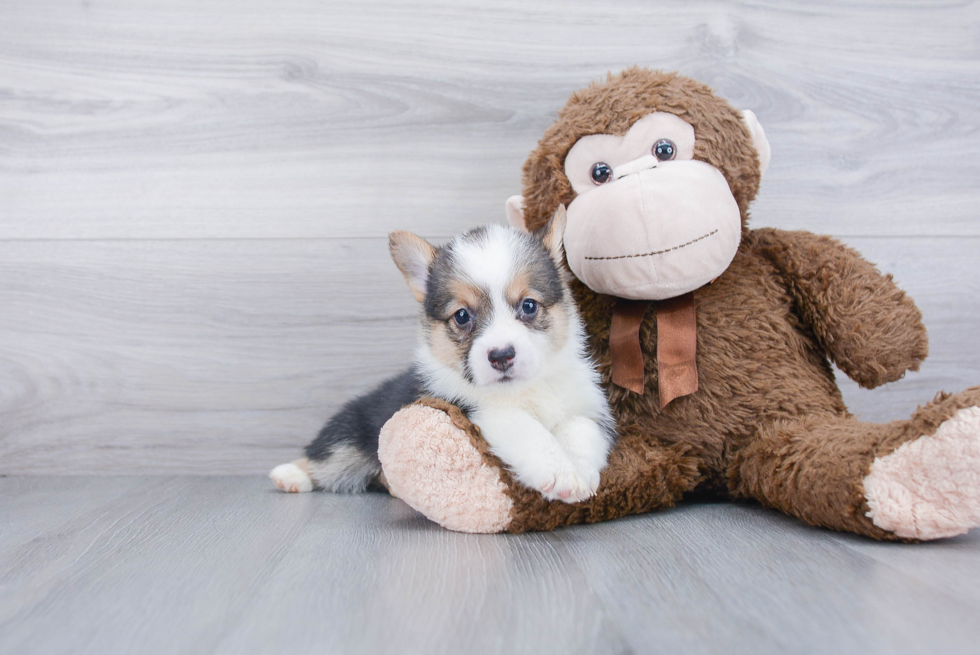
(648, 221)
(657, 173)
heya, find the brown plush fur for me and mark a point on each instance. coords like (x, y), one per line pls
(768, 421)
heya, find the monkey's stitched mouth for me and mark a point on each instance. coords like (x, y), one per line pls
(659, 252)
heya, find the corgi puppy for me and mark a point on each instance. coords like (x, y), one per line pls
(502, 339)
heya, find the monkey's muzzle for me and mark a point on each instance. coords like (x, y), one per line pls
(654, 234)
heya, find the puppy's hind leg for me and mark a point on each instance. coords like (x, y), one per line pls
(347, 468)
(293, 477)
(343, 458)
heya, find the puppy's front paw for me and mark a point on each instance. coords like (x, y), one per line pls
(587, 446)
(590, 475)
(568, 487)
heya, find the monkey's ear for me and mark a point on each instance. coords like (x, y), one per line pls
(759, 139)
(551, 236)
(515, 212)
(413, 255)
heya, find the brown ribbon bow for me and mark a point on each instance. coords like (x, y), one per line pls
(677, 370)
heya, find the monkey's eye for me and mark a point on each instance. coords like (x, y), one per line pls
(529, 307)
(664, 150)
(462, 317)
(601, 173)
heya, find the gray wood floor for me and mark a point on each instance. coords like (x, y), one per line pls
(229, 565)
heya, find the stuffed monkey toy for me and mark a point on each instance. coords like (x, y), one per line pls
(714, 342)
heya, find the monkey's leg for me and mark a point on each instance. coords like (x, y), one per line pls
(912, 479)
(435, 460)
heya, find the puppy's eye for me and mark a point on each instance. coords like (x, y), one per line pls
(664, 150)
(529, 307)
(462, 317)
(601, 173)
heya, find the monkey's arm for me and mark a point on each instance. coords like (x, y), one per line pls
(867, 325)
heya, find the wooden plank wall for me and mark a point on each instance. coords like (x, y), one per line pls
(194, 197)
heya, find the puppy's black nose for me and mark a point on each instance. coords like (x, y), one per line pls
(501, 358)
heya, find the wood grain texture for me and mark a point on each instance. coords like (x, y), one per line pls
(189, 355)
(227, 356)
(229, 565)
(321, 119)
(193, 199)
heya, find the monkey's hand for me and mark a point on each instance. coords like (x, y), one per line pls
(866, 324)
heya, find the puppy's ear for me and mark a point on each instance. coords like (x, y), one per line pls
(551, 235)
(413, 255)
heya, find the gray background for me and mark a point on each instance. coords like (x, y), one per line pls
(194, 197)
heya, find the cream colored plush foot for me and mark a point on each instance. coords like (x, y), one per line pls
(930, 488)
(431, 464)
(292, 477)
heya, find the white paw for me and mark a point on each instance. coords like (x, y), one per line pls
(291, 478)
(930, 488)
(591, 475)
(569, 487)
(587, 446)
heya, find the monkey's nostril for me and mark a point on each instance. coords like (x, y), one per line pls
(636, 166)
(502, 358)
(627, 173)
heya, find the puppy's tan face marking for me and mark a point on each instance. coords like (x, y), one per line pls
(450, 339)
(445, 349)
(550, 316)
(468, 296)
(557, 317)
(519, 289)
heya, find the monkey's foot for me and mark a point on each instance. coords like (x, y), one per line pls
(929, 488)
(432, 465)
